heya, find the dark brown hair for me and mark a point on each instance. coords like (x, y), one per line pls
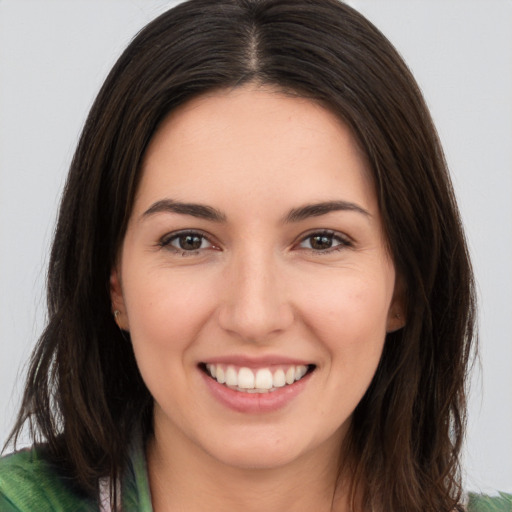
(84, 394)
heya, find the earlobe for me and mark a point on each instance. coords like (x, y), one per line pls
(116, 297)
(395, 321)
(396, 314)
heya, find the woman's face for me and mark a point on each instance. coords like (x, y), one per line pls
(254, 278)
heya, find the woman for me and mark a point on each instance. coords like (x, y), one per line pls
(259, 287)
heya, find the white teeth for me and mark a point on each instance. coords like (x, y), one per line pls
(300, 371)
(252, 381)
(279, 379)
(221, 378)
(212, 369)
(245, 378)
(231, 377)
(263, 379)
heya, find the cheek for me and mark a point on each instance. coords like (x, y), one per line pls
(351, 303)
(166, 310)
(349, 315)
(350, 323)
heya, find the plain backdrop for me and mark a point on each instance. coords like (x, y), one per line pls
(53, 57)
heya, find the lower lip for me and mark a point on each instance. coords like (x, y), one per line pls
(255, 402)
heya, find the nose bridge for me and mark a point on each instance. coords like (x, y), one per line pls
(256, 304)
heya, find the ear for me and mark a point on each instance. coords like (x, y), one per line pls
(117, 299)
(397, 310)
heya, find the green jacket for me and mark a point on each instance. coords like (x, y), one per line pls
(29, 483)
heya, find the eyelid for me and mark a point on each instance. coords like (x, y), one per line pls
(165, 241)
(345, 240)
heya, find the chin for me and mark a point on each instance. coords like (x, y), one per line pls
(257, 457)
(267, 449)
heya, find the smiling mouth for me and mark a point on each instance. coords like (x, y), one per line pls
(261, 380)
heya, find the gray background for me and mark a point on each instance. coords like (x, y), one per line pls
(53, 58)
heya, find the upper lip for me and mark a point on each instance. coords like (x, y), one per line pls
(256, 362)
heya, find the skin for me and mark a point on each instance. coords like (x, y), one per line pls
(256, 287)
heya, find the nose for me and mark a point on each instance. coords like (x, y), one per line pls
(255, 304)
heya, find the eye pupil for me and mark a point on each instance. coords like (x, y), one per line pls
(190, 242)
(321, 242)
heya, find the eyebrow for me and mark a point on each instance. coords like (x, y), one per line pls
(318, 209)
(195, 210)
(208, 213)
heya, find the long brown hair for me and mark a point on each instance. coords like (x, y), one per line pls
(84, 395)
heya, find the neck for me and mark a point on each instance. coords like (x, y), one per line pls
(183, 477)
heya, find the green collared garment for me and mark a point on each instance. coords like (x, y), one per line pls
(29, 483)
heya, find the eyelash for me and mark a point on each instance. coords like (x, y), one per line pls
(343, 242)
(166, 241)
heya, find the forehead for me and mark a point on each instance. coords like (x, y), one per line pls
(252, 141)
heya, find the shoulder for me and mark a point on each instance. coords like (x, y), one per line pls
(29, 482)
(484, 503)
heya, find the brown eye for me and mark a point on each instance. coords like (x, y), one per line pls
(186, 242)
(324, 242)
(321, 242)
(189, 242)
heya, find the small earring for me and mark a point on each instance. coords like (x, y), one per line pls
(117, 313)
